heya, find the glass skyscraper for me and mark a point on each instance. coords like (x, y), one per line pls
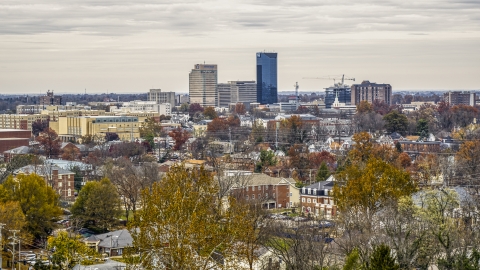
(267, 78)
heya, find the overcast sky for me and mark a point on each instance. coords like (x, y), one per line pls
(132, 46)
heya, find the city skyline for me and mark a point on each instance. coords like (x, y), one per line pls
(133, 46)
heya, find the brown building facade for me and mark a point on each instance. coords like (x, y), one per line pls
(272, 192)
(61, 180)
(13, 138)
(50, 99)
(368, 91)
(460, 98)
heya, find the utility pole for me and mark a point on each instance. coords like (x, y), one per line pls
(277, 124)
(13, 245)
(1, 246)
(230, 144)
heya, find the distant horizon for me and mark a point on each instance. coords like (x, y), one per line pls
(279, 92)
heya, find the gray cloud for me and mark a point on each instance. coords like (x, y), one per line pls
(196, 17)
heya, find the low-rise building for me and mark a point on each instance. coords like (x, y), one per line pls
(271, 192)
(61, 180)
(73, 128)
(317, 199)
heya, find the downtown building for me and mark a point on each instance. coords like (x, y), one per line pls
(236, 92)
(161, 97)
(460, 98)
(368, 91)
(267, 87)
(203, 85)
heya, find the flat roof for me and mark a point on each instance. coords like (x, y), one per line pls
(12, 129)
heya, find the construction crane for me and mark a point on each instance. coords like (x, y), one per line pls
(343, 79)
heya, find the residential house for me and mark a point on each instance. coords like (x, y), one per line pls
(317, 199)
(111, 243)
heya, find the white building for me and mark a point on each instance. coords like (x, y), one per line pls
(143, 106)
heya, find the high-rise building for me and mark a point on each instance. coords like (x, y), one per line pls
(203, 85)
(367, 91)
(224, 94)
(161, 97)
(267, 78)
(460, 98)
(236, 91)
(338, 90)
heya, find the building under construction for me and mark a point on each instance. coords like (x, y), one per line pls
(340, 90)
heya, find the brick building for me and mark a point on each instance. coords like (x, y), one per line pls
(368, 91)
(50, 99)
(272, 192)
(61, 180)
(317, 199)
(13, 138)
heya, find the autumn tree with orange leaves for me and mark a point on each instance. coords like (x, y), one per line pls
(180, 136)
(49, 142)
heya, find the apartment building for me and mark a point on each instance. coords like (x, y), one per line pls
(370, 91)
(317, 199)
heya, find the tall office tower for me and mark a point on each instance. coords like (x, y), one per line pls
(367, 91)
(267, 78)
(161, 97)
(460, 98)
(203, 85)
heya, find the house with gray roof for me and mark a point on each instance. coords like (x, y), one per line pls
(111, 243)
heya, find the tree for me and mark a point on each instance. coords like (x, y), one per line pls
(98, 203)
(68, 251)
(463, 115)
(180, 136)
(184, 107)
(17, 162)
(468, 157)
(39, 202)
(111, 136)
(422, 129)
(130, 180)
(12, 216)
(71, 152)
(364, 107)
(210, 113)
(267, 158)
(362, 147)
(150, 128)
(240, 108)
(49, 142)
(396, 122)
(316, 159)
(181, 224)
(194, 108)
(380, 107)
(368, 188)
(323, 172)
(39, 126)
(382, 259)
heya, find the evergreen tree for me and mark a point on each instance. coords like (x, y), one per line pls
(382, 259)
(323, 172)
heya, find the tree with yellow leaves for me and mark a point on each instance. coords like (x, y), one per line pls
(182, 223)
(368, 188)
